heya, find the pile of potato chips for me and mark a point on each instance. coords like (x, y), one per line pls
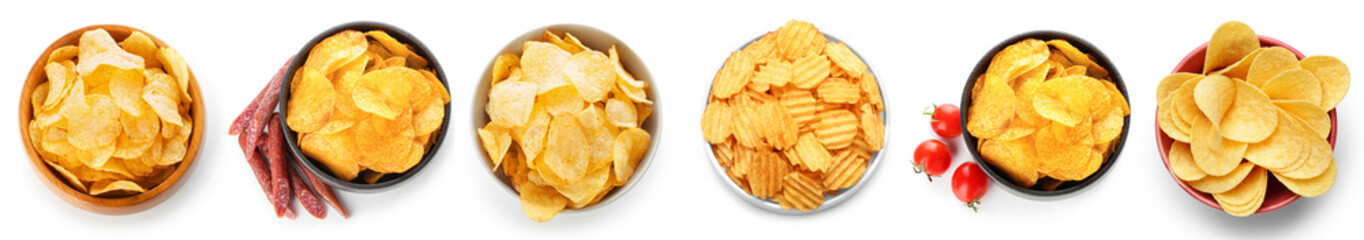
(1258, 104)
(112, 118)
(565, 123)
(365, 104)
(1045, 113)
(793, 117)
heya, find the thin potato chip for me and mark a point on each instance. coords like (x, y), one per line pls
(1232, 41)
(1334, 76)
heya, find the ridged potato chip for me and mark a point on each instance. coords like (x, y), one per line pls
(806, 124)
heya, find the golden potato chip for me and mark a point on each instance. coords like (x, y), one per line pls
(64, 53)
(1214, 95)
(70, 178)
(541, 203)
(565, 155)
(1295, 84)
(1309, 113)
(397, 48)
(621, 112)
(62, 79)
(97, 47)
(798, 39)
(1016, 59)
(541, 63)
(311, 106)
(1334, 76)
(386, 92)
(627, 150)
(1245, 198)
(800, 104)
(1015, 157)
(96, 128)
(1213, 154)
(716, 122)
(1251, 117)
(1312, 187)
(1239, 69)
(1215, 184)
(125, 86)
(809, 71)
(1067, 100)
(502, 66)
(846, 170)
(845, 58)
(334, 151)
(511, 102)
(992, 109)
(873, 128)
(176, 67)
(592, 74)
(332, 52)
(801, 192)
(1078, 58)
(1059, 159)
(836, 128)
(1270, 63)
(1232, 41)
(1318, 158)
(580, 193)
(774, 74)
(780, 129)
(109, 187)
(1282, 149)
(1182, 163)
(837, 90)
(747, 136)
(812, 155)
(496, 142)
(140, 44)
(734, 75)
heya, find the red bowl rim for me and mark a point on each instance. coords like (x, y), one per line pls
(1164, 141)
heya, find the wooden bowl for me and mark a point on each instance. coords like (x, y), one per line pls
(105, 205)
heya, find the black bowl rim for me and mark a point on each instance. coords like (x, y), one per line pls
(1099, 58)
(387, 182)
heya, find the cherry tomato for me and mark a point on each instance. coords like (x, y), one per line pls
(946, 120)
(932, 157)
(969, 184)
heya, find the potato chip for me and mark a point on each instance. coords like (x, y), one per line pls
(1334, 77)
(140, 44)
(1215, 184)
(1080, 59)
(837, 128)
(1182, 163)
(397, 48)
(125, 86)
(813, 156)
(845, 58)
(1270, 63)
(627, 150)
(1308, 113)
(1016, 59)
(621, 112)
(1244, 199)
(1312, 187)
(592, 74)
(1282, 149)
(1251, 117)
(1213, 154)
(541, 203)
(1015, 156)
(798, 39)
(112, 187)
(734, 75)
(311, 107)
(991, 116)
(1295, 84)
(810, 71)
(1239, 69)
(1214, 95)
(62, 79)
(839, 90)
(1232, 41)
(1318, 158)
(511, 102)
(496, 142)
(801, 192)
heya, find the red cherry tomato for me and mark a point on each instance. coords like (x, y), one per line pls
(969, 184)
(932, 157)
(946, 120)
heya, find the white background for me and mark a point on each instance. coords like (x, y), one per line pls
(922, 52)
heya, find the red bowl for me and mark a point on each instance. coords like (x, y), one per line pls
(1276, 196)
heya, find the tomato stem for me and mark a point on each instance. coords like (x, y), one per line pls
(973, 204)
(921, 168)
(929, 111)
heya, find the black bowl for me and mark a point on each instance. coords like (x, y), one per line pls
(356, 185)
(997, 174)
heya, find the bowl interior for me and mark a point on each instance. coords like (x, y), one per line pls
(102, 205)
(830, 200)
(291, 137)
(1276, 196)
(997, 174)
(597, 40)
